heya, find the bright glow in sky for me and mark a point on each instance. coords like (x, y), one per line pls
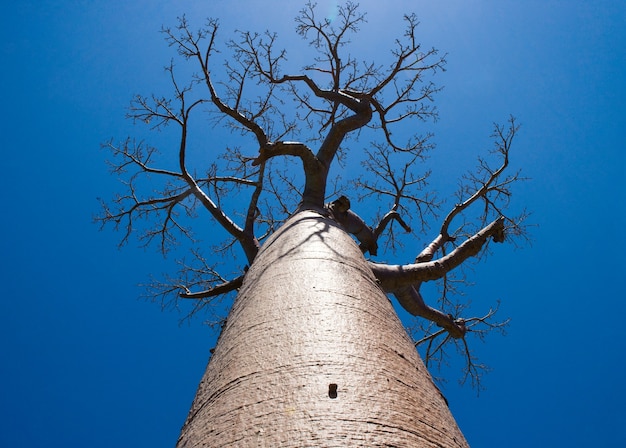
(84, 363)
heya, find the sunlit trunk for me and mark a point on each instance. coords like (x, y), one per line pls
(313, 354)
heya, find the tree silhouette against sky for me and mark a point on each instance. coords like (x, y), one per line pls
(297, 135)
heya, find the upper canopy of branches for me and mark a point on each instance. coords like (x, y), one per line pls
(280, 114)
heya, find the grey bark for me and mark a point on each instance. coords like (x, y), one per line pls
(313, 354)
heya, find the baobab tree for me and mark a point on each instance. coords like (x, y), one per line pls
(312, 352)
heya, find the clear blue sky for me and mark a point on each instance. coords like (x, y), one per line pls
(87, 364)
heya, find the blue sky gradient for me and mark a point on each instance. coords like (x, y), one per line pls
(85, 363)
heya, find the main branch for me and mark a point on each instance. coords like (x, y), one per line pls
(396, 277)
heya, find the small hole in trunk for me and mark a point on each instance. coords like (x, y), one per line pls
(332, 390)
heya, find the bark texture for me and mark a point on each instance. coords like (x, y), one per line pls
(313, 354)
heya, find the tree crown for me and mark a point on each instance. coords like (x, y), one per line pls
(292, 133)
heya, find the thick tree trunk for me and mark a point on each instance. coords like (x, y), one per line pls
(313, 354)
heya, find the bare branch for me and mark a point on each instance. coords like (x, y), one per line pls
(491, 186)
(435, 344)
(395, 277)
(222, 288)
(188, 45)
(395, 180)
(411, 300)
(490, 183)
(295, 149)
(389, 216)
